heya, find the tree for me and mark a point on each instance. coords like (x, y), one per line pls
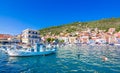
(48, 40)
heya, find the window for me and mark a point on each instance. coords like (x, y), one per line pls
(32, 32)
(32, 36)
(29, 36)
(29, 32)
(36, 33)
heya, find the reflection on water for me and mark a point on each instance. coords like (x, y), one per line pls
(68, 59)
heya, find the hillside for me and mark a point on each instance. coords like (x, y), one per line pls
(103, 24)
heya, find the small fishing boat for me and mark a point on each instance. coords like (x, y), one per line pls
(38, 50)
(117, 44)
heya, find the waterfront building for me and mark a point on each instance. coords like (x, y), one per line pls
(66, 39)
(84, 39)
(30, 36)
(72, 40)
(4, 39)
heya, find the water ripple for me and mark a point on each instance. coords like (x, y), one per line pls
(68, 59)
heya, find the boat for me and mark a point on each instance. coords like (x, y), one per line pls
(3, 48)
(117, 44)
(36, 51)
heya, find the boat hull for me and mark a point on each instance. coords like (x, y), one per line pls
(22, 53)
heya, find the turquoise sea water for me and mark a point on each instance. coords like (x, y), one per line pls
(68, 59)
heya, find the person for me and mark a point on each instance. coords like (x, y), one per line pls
(104, 58)
(78, 55)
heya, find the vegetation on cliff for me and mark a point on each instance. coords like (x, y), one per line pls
(103, 24)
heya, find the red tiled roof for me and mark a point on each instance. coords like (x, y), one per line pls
(5, 36)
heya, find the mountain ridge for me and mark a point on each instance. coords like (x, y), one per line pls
(103, 24)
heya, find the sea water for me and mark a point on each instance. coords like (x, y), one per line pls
(68, 59)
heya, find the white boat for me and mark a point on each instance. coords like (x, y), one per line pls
(38, 50)
(3, 48)
(117, 44)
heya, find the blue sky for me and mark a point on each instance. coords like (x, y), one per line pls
(17, 15)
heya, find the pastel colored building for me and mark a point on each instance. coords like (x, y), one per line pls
(30, 36)
(4, 39)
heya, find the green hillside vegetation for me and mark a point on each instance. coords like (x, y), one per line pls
(103, 24)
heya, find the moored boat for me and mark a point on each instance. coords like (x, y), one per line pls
(117, 44)
(38, 50)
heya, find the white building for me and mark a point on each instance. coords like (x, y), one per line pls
(30, 36)
(66, 39)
